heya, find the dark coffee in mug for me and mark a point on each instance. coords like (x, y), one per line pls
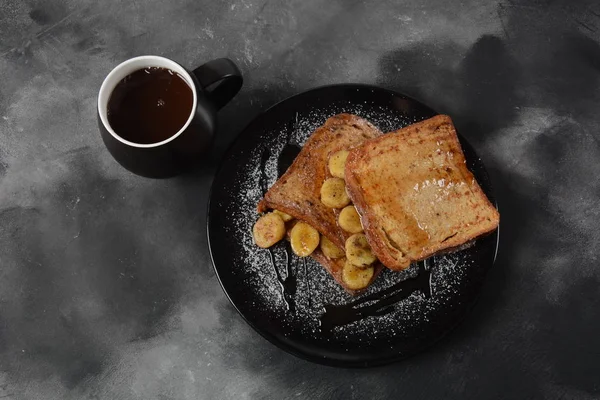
(150, 105)
(157, 119)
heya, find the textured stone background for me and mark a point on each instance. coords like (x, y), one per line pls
(106, 287)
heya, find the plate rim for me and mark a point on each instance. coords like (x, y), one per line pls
(324, 360)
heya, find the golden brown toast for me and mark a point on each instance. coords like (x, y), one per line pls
(415, 195)
(297, 192)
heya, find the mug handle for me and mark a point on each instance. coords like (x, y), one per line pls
(224, 77)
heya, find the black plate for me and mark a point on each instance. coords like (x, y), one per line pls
(293, 302)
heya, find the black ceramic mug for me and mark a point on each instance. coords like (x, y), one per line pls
(213, 85)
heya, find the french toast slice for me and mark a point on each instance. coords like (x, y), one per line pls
(415, 195)
(297, 191)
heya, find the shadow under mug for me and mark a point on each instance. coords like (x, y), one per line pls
(213, 85)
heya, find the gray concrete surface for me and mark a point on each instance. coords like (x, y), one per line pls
(106, 287)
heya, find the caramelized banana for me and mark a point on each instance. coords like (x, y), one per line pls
(349, 220)
(337, 163)
(358, 251)
(304, 239)
(285, 217)
(268, 230)
(329, 249)
(355, 277)
(333, 193)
